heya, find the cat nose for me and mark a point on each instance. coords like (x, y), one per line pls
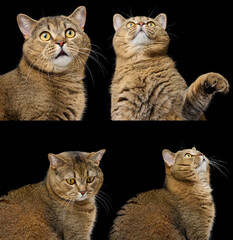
(83, 192)
(61, 43)
(141, 23)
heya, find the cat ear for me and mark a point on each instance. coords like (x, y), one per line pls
(79, 14)
(97, 156)
(168, 157)
(162, 20)
(55, 161)
(25, 24)
(117, 21)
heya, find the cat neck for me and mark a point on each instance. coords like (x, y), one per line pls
(34, 73)
(193, 193)
(195, 188)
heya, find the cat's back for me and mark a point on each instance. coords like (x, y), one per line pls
(24, 215)
(148, 216)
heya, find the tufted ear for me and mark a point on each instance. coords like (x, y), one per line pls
(55, 161)
(79, 14)
(168, 157)
(162, 20)
(97, 156)
(25, 24)
(117, 21)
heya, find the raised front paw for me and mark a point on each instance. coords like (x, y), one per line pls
(214, 82)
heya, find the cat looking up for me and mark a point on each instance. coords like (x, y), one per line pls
(146, 84)
(62, 207)
(48, 83)
(183, 209)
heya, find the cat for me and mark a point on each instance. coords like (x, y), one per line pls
(61, 207)
(183, 209)
(146, 84)
(48, 82)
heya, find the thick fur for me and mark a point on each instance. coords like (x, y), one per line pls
(46, 86)
(53, 209)
(146, 84)
(182, 210)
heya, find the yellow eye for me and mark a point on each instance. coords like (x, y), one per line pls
(150, 24)
(130, 24)
(71, 181)
(70, 33)
(45, 36)
(90, 179)
(188, 155)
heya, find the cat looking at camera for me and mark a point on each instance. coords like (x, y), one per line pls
(48, 82)
(62, 207)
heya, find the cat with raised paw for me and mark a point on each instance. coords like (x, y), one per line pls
(48, 82)
(183, 209)
(62, 207)
(146, 84)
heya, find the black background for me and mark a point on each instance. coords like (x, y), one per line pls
(201, 41)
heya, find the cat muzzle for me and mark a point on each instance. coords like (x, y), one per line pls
(62, 53)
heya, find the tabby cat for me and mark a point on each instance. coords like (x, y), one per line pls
(146, 84)
(61, 207)
(183, 209)
(48, 83)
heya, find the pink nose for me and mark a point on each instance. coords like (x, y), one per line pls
(83, 192)
(141, 23)
(61, 43)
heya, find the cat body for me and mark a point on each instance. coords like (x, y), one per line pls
(61, 207)
(146, 84)
(48, 83)
(183, 209)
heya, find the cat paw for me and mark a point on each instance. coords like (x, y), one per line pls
(214, 82)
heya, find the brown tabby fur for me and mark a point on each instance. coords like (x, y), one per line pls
(146, 84)
(45, 86)
(53, 209)
(182, 210)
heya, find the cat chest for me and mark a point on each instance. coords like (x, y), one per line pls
(54, 101)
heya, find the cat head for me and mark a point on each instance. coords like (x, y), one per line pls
(186, 165)
(140, 35)
(54, 44)
(75, 176)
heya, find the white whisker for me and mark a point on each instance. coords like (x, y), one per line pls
(217, 164)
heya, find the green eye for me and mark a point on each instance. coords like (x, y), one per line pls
(130, 24)
(90, 179)
(71, 181)
(70, 33)
(188, 155)
(45, 36)
(150, 24)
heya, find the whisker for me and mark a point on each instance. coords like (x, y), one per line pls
(104, 200)
(96, 60)
(217, 164)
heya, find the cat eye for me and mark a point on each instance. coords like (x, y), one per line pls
(45, 36)
(70, 33)
(71, 181)
(90, 179)
(130, 24)
(150, 24)
(188, 155)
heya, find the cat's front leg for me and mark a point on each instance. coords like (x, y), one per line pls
(200, 93)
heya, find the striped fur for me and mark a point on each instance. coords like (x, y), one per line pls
(183, 209)
(146, 84)
(45, 85)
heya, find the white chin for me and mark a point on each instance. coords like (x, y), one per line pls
(141, 39)
(62, 61)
